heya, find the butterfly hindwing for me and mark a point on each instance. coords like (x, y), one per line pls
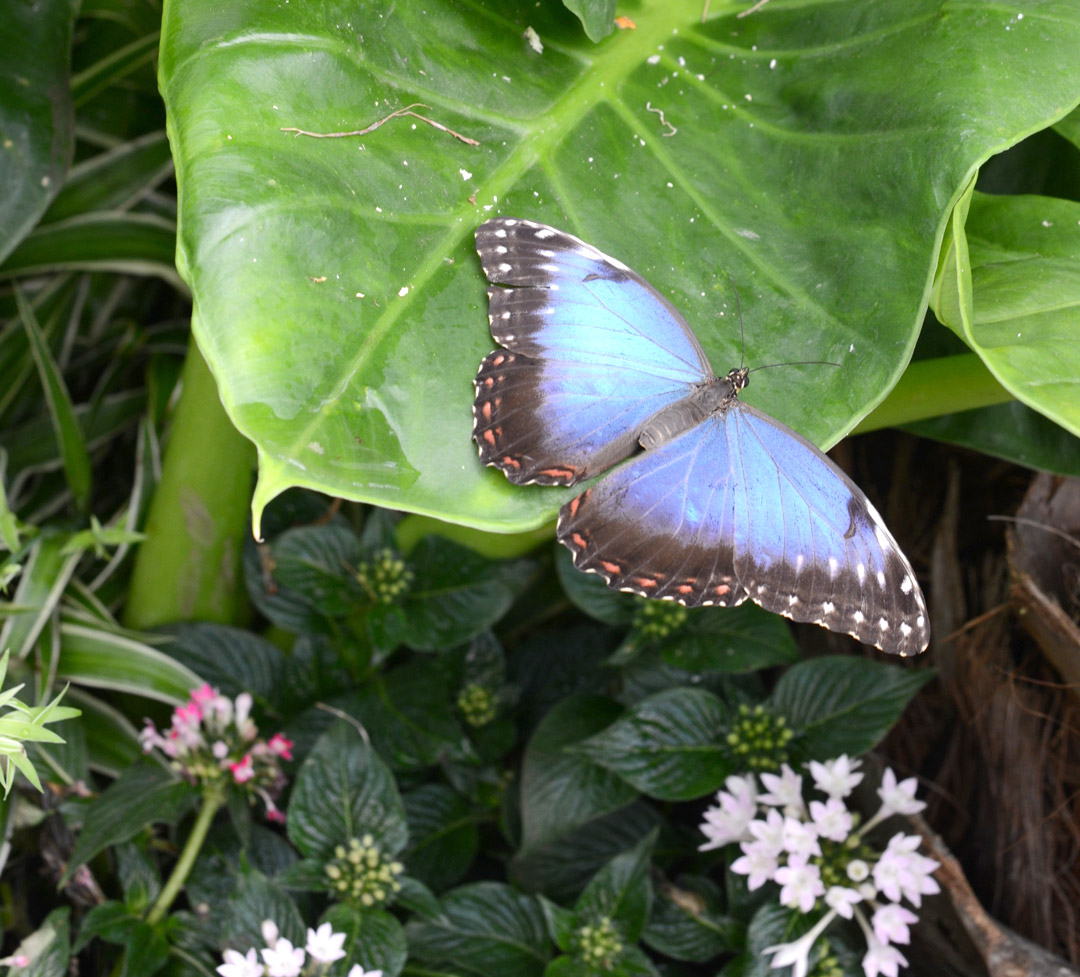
(811, 546)
(589, 352)
(741, 506)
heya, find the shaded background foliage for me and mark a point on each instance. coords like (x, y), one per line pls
(341, 311)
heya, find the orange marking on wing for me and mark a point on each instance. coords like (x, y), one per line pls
(574, 503)
(611, 567)
(722, 589)
(645, 582)
(489, 382)
(567, 473)
(499, 360)
(580, 541)
(685, 588)
(498, 431)
(489, 437)
(486, 410)
(511, 462)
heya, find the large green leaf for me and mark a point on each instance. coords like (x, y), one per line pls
(812, 150)
(36, 120)
(1010, 287)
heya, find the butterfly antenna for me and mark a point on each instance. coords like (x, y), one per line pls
(742, 332)
(770, 366)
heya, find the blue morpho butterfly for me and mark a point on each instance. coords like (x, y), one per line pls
(723, 503)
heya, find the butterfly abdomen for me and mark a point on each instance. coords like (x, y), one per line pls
(715, 394)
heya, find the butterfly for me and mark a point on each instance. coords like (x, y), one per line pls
(719, 503)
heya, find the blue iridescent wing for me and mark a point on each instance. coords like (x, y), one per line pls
(742, 507)
(589, 352)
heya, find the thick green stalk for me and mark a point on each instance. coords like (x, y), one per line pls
(929, 388)
(189, 567)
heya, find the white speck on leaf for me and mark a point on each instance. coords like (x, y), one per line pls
(653, 59)
(465, 174)
(403, 291)
(317, 448)
(534, 40)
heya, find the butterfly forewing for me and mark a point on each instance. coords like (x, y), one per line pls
(589, 352)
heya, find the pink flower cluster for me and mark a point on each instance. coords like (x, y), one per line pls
(212, 736)
(818, 856)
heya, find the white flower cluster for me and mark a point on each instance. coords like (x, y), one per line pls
(818, 855)
(281, 959)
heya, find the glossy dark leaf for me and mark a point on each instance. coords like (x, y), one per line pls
(669, 746)
(374, 940)
(485, 928)
(562, 790)
(344, 791)
(688, 921)
(622, 891)
(143, 795)
(456, 594)
(230, 659)
(443, 834)
(838, 705)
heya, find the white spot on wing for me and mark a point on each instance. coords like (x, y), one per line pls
(544, 233)
(881, 578)
(906, 585)
(833, 566)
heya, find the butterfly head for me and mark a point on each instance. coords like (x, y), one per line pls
(739, 378)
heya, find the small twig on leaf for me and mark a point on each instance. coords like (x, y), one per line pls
(749, 10)
(408, 110)
(663, 121)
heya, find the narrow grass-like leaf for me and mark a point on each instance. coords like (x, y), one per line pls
(129, 244)
(113, 180)
(41, 585)
(69, 434)
(100, 659)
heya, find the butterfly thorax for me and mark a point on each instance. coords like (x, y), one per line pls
(712, 396)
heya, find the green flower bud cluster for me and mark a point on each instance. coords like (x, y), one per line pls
(359, 873)
(654, 620)
(599, 946)
(385, 576)
(759, 739)
(478, 704)
(828, 964)
(836, 858)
